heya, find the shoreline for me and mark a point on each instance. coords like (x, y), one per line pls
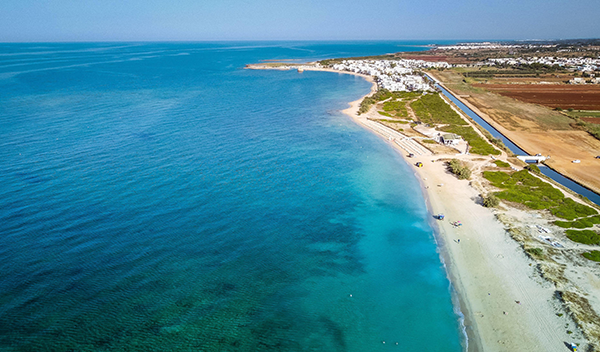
(483, 265)
(470, 340)
(504, 302)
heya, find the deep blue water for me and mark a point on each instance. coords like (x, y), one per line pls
(158, 197)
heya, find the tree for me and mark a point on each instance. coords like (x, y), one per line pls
(490, 201)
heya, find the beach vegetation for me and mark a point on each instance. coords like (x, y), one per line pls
(592, 255)
(579, 223)
(459, 169)
(397, 107)
(501, 163)
(533, 168)
(392, 121)
(524, 188)
(433, 110)
(491, 201)
(383, 113)
(535, 251)
(429, 141)
(378, 96)
(584, 236)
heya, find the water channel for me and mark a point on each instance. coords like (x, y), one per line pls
(570, 184)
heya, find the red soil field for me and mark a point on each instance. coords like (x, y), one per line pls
(579, 97)
(595, 120)
(431, 58)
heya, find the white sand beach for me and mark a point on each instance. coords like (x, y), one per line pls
(507, 304)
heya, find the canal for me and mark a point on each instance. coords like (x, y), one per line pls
(574, 186)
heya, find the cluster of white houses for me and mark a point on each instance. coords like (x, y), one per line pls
(394, 75)
(489, 45)
(578, 63)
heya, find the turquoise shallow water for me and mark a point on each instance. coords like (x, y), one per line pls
(157, 197)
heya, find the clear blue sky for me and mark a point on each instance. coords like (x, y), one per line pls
(131, 20)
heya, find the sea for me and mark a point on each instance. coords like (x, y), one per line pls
(160, 197)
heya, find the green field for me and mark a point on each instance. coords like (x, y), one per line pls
(433, 110)
(592, 255)
(580, 223)
(501, 163)
(524, 188)
(584, 236)
(583, 113)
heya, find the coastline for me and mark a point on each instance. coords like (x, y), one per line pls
(470, 338)
(504, 303)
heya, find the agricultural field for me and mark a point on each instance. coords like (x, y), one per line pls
(536, 128)
(564, 96)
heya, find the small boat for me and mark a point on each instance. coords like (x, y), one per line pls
(576, 161)
(419, 164)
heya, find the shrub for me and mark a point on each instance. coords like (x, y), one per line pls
(537, 252)
(571, 210)
(580, 223)
(501, 163)
(533, 168)
(522, 187)
(584, 236)
(384, 113)
(592, 255)
(490, 201)
(459, 169)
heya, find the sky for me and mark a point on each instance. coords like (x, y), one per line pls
(205, 20)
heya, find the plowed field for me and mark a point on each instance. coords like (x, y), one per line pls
(579, 97)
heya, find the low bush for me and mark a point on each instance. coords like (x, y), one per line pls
(592, 255)
(490, 201)
(584, 236)
(570, 210)
(367, 102)
(459, 169)
(524, 188)
(533, 168)
(501, 163)
(580, 223)
(537, 252)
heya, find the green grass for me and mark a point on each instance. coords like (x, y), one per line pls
(569, 209)
(592, 255)
(384, 113)
(393, 121)
(580, 223)
(367, 102)
(501, 163)
(524, 188)
(397, 107)
(477, 145)
(583, 113)
(432, 109)
(584, 236)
